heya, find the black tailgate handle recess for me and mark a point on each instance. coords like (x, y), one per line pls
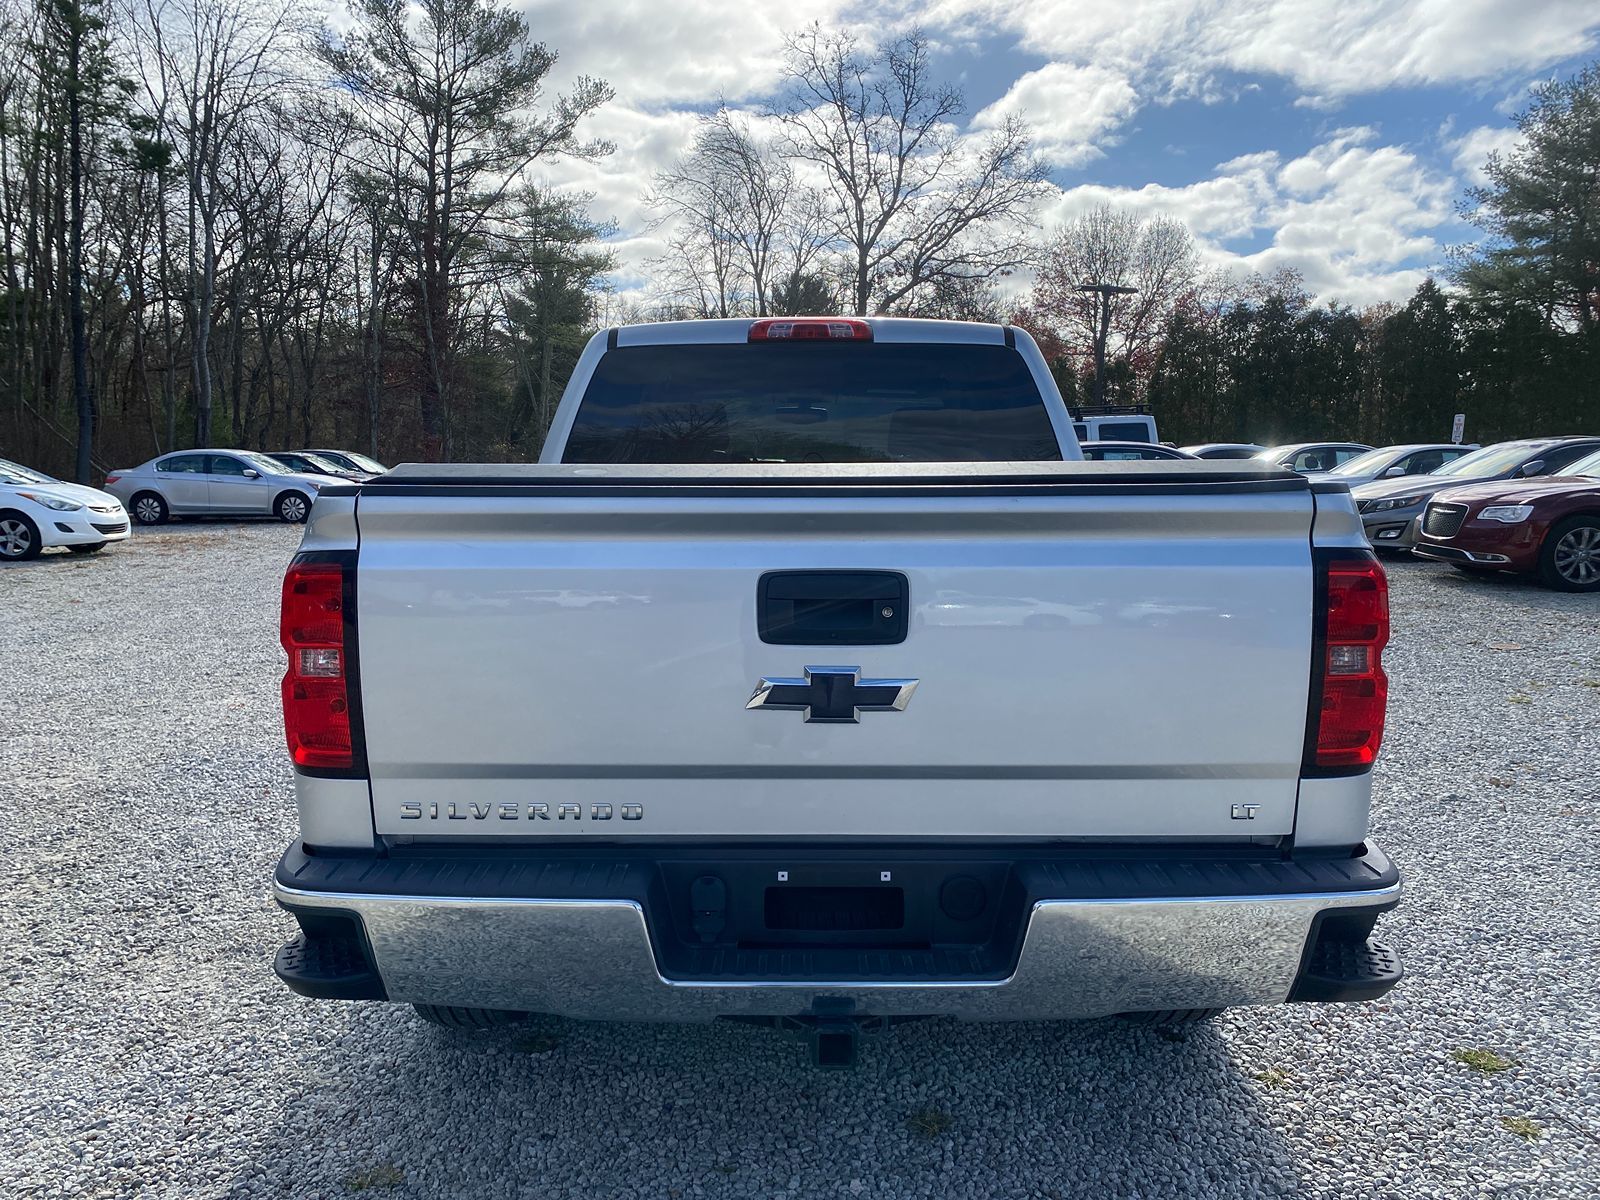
(832, 608)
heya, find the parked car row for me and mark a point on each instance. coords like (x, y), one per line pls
(1390, 508)
(38, 511)
(1352, 462)
(1543, 522)
(193, 483)
(1530, 506)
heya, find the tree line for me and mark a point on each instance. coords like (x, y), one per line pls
(237, 225)
(229, 224)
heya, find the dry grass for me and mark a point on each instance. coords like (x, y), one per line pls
(381, 1178)
(930, 1122)
(1486, 1062)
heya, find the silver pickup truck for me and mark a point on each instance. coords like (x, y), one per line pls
(811, 677)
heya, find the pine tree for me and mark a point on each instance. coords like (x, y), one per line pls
(1541, 210)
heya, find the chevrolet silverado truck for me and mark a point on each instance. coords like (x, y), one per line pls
(812, 678)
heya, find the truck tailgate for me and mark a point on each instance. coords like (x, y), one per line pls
(1112, 654)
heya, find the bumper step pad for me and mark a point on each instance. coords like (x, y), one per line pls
(1337, 970)
(328, 968)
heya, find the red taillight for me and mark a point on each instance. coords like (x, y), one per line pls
(810, 329)
(1355, 691)
(316, 699)
(110, 479)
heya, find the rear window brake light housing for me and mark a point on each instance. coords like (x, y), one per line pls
(810, 329)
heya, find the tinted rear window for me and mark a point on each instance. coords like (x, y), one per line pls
(1123, 431)
(857, 402)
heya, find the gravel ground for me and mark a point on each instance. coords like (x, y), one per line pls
(148, 1050)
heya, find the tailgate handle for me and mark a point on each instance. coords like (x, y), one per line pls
(832, 608)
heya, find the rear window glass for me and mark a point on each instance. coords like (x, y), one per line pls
(1123, 431)
(855, 402)
(184, 464)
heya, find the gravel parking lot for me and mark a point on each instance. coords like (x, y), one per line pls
(149, 1051)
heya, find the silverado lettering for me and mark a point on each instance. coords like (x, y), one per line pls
(412, 810)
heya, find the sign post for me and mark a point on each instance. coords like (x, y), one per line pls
(1458, 428)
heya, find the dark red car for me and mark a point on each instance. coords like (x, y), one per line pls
(1549, 527)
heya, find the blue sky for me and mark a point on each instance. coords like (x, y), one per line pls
(1333, 136)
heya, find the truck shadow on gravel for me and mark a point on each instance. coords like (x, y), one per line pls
(565, 1108)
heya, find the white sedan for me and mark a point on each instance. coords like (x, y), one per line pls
(38, 511)
(201, 483)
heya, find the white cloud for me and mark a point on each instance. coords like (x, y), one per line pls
(1325, 48)
(1071, 109)
(1472, 149)
(1351, 216)
(1363, 45)
(645, 143)
(1516, 99)
(671, 50)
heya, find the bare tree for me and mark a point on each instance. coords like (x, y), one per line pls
(911, 201)
(209, 67)
(1107, 246)
(293, 234)
(739, 222)
(699, 274)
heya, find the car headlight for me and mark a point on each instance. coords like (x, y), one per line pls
(1508, 514)
(1396, 502)
(52, 502)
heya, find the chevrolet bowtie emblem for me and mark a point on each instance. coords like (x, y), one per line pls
(833, 695)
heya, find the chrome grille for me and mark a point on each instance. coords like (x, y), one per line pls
(1443, 520)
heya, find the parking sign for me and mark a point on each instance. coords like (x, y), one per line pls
(1458, 428)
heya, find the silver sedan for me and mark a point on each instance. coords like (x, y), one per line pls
(1395, 462)
(192, 483)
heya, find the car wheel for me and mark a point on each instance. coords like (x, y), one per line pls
(456, 1017)
(149, 509)
(19, 538)
(1569, 560)
(91, 548)
(292, 507)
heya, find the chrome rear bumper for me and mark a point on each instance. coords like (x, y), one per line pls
(1079, 958)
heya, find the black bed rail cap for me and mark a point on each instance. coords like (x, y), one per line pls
(1169, 475)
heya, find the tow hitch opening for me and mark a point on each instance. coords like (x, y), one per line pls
(832, 1033)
